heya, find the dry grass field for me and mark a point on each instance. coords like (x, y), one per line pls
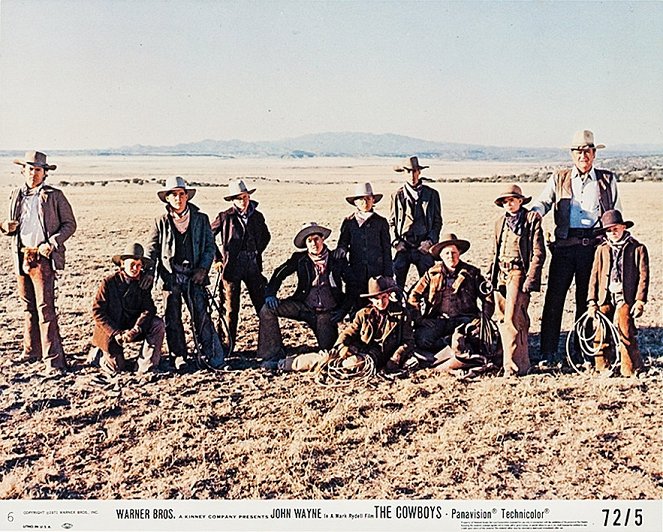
(252, 433)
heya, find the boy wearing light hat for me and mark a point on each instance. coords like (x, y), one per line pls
(365, 237)
(519, 254)
(618, 287)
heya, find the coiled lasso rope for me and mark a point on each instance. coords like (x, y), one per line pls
(595, 337)
(335, 372)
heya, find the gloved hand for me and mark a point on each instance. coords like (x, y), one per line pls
(425, 246)
(592, 309)
(533, 216)
(637, 309)
(45, 249)
(146, 281)
(131, 335)
(271, 302)
(9, 226)
(338, 315)
(339, 253)
(199, 276)
(527, 286)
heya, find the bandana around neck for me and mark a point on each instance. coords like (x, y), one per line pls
(181, 221)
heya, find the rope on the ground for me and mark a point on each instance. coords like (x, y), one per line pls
(335, 372)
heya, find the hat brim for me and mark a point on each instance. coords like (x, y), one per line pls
(406, 169)
(376, 198)
(119, 259)
(385, 291)
(191, 192)
(462, 245)
(596, 147)
(500, 200)
(47, 167)
(300, 238)
(603, 230)
(233, 196)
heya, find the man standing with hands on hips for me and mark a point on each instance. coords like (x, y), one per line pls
(40, 221)
(578, 196)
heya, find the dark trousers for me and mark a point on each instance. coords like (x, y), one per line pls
(255, 283)
(403, 260)
(566, 263)
(196, 301)
(41, 334)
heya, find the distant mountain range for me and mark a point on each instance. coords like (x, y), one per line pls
(348, 144)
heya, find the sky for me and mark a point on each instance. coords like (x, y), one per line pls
(101, 73)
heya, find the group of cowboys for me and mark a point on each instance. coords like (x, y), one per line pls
(440, 321)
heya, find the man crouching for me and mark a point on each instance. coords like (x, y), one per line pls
(382, 331)
(124, 312)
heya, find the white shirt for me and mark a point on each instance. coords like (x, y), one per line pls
(30, 228)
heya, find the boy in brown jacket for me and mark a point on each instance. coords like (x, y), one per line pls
(618, 287)
(516, 272)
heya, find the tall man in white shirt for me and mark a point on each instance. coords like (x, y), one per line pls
(578, 197)
(40, 221)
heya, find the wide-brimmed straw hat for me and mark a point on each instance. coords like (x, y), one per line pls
(380, 285)
(171, 184)
(132, 251)
(236, 188)
(361, 190)
(584, 139)
(310, 228)
(512, 191)
(410, 164)
(35, 158)
(448, 239)
(611, 218)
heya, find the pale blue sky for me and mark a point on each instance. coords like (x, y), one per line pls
(93, 74)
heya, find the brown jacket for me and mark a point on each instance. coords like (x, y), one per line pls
(118, 306)
(389, 333)
(428, 290)
(532, 251)
(57, 221)
(635, 278)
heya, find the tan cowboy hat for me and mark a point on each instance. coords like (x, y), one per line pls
(171, 184)
(584, 139)
(132, 251)
(310, 228)
(448, 239)
(361, 190)
(236, 188)
(611, 218)
(512, 191)
(35, 158)
(411, 163)
(380, 285)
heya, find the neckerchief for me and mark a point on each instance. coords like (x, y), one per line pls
(319, 262)
(362, 216)
(516, 222)
(181, 221)
(617, 252)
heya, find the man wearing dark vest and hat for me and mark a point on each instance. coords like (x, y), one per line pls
(416, 219)
(578, 197)
(365, 238)
(618, 287)
(124, 313)
(181, 247)
(40, 221)
(242, 237)
(319, 299)
(518, 256)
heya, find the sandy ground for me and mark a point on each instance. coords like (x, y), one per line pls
(253, 433)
